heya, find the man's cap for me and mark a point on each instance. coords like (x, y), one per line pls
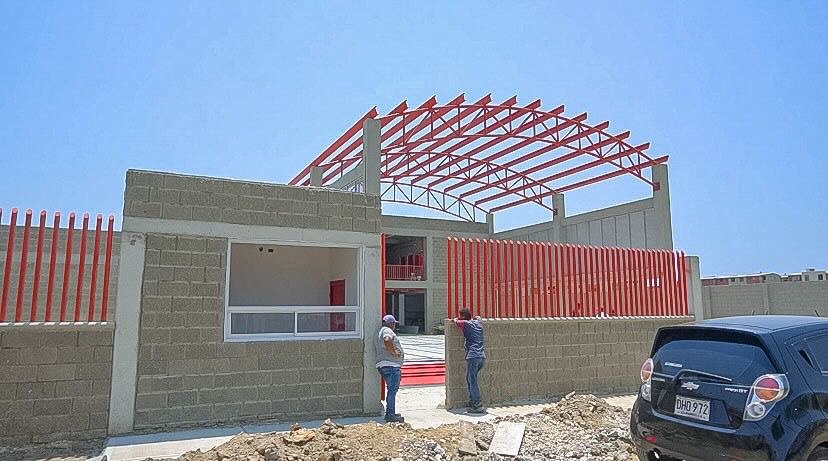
(389, 319)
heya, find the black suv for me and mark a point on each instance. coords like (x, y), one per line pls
(737, 388)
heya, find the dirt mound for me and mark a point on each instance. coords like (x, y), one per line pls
(585, 411)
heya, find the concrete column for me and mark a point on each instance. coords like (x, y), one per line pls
(661, 205)
(558, 218)
(694, 287)
(316, 176)
(371, 155)
(127, 322)
(490, 222)
(371, 308)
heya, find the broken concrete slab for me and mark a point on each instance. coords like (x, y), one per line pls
(508, 438)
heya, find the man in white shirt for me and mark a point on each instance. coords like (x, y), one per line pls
(390, 358)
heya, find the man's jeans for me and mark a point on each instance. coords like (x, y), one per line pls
(391, 375)
(473, 366)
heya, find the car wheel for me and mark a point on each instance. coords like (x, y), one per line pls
(820, 454)
(646, 456)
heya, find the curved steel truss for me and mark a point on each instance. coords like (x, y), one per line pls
(468, 159)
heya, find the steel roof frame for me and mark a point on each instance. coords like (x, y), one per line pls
(458, 156)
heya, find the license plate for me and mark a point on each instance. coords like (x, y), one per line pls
(693, 408)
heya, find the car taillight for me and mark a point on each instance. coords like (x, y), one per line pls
(765, 392)
(646, 376)
(647, 370)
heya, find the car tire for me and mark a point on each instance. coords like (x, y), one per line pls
(645, 456)
(820, 454)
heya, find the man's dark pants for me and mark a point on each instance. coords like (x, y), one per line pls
(391, 375)
(473, 367)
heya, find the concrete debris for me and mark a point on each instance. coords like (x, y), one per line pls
(579, 427)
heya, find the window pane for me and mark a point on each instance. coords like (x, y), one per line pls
(819, 347)
(261, 323)
(327, 322)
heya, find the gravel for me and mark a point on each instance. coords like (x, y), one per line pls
(579, 427)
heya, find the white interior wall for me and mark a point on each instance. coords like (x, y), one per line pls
(290, 276)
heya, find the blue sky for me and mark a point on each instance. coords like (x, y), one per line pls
(734, 92)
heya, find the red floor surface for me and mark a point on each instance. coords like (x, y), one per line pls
(422, 374)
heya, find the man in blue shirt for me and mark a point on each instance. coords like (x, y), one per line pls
(472, 329)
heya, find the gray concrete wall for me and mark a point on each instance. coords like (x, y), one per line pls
(59, 267)
(782, 298)
(186, 373)
(550, 358)
(54, 383)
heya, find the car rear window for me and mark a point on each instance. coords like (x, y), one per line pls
(819, 348)
(729, 359)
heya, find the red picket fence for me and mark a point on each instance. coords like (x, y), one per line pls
(95, 311)
(516, 279)
(404, 272)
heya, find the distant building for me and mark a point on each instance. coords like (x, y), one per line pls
(808, 275)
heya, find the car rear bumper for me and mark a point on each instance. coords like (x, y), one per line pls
(690, 441)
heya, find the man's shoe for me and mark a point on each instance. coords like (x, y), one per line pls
(394, 419)
(478, 410)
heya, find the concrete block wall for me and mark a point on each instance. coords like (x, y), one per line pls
(59, 267)
(54, 383)
(188, 375)
(779, 298)
(529, 359)
(194, 198)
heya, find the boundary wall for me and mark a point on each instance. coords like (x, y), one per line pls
(779, 298)
(543, 358)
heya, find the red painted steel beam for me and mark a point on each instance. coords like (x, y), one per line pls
(575, 152)
(540, 137)
(96, 249)
(560, 175)
(38, 263)
(384, 135)
(511, 133)
(24, 264)
(486, 113)
(434, 113)
(339, 142)
(52, 265)
(436, 142)
(108, 268)
(515, 113)
(67, 264)
(583, 183)
(7, 265)
(81, 267)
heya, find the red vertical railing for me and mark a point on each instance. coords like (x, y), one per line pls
(521, 279)
(30, 304)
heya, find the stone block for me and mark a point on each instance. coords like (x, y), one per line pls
(171, 211)
(340, 224)
(194, 198)
(90, 404)
(145, 209)
(55, 372)
(189, 274)
(173, 289)
(252, 203)
(158, 273)
(23, 339)
(93, 371)
(203, 289)
(95, 338)
(164, 195)
(362, 225)
(143, 178)
(314, 222)
(99, 420)
(176, 258)
(35, 390)
(38, 355)
(75, 388)
(196, 382)
(152, 258)
(235, 216)
(206, 260)
(290, 220)
(161, 241)
(206, 214)
(44, 407)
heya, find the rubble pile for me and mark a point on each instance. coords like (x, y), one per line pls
(579, 427)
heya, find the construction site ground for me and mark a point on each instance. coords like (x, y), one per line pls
(580, 427)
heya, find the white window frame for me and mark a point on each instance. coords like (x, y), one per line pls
(296, 336)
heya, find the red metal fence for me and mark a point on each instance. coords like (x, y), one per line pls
(516, 279)
(403, 272)
(30, 310)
